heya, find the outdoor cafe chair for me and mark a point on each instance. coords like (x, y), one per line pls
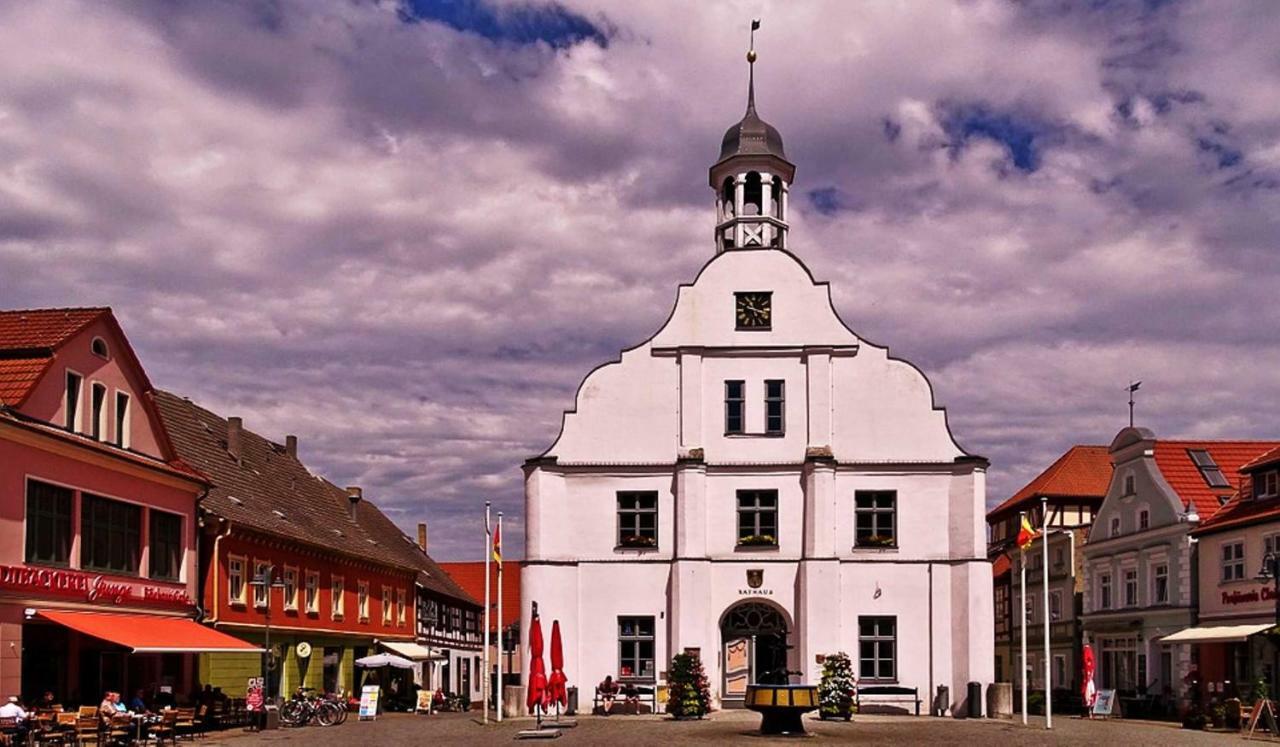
(87, 730)
(8, 730)
(167, 729)
(120, 729)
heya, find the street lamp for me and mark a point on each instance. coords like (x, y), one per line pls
(266, 579)
(1271, 572)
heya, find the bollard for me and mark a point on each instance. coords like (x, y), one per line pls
(1000, 700)
(975, 700)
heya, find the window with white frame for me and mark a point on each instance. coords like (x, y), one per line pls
(1129, 486)
(122, 433)
(337, 601)
(387, 612)
(261, 590)
(1131, 587)
(72, 401)
(312, 594)
(290, 588)
(1160, 583)
(1270, 544)
(235, 579)
(1104, 591)
(98, 411)
(1144, 519)
(1055, 605)
(362, 600)
(1266, 484)
(1115, 526)
(1233, 561)
(401, 608)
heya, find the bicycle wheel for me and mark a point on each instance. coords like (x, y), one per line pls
(293, 712)
(326, 714)
(342, 711)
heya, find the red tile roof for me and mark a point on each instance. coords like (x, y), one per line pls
(1082, 472)
(470, 576)
(1263, 459)
(1185, 478)
(28, 339)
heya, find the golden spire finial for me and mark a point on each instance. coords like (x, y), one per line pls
(751, 63)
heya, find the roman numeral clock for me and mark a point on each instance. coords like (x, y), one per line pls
(754, 310)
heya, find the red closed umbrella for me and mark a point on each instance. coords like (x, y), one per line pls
(537, 697)
(558, 693)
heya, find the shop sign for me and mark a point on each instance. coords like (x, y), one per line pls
(88, 586)
(1261, 594)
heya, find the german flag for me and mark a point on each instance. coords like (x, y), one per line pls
(1026, 535)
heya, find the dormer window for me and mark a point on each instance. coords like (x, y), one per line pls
(1266, 484)
(99, 348)
(1129, 486)
(1209, 469)
(1115, 526)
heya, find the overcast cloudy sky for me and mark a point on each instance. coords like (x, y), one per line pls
(406, 230)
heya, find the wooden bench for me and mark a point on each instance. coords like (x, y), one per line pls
(890, 694)
(620, 704)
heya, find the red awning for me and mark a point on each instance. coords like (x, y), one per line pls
(149, 634)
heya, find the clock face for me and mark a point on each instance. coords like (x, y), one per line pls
(753, 310)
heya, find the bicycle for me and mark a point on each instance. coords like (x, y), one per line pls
(304, 709)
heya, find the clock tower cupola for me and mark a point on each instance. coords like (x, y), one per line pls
(752, 178)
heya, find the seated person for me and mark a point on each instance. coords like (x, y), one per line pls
(632, 695)
(47, 701)
(437, 700)
(14, 710)
(107, 708)
(608, 693)
(139, 702)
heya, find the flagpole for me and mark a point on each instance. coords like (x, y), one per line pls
(498, 696)
(484, 680)
(1044, 541)
(1022, 614)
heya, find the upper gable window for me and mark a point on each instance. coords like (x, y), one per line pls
(1208, 468)
(1129, 487)
(99, 348)
(74, 380)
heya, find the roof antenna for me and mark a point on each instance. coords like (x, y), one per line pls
(1133, 387)
(751, 66)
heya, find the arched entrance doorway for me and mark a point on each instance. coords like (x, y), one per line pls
(753, 636)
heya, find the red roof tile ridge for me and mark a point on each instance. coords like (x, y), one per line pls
(1046, 477)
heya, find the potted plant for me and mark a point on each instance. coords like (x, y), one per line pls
(758, 540)
(688, 692)
(877, 540)
(638, 541)
(835, 689)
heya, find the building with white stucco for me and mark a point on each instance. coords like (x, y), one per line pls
(759, 484)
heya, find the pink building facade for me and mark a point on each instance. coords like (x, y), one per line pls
(96, 514)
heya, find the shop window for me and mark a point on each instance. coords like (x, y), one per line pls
(290, 588)
(758, 518)
(734, 405)
(774, 406)
(1233, 561)
(313, 592)
(110, 535)
(166, 545)
(636, 648)
(637, 518)
(48, 523)
(877, 649)
(875, 518)
(235, 580)
(338, 603)
(1160, 584)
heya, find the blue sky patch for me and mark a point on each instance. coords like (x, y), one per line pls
(526, 23)
(826, 200)
(1022, 137)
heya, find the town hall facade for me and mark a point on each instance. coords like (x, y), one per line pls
(760, 485)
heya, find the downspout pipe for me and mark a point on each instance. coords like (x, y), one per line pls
(217, 541)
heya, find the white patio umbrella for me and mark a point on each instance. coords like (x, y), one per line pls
(378, 661)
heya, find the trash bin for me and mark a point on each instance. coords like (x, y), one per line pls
(572, 710)
(941, 700)
(975, 700)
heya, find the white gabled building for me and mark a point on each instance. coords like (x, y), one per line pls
(760, 484)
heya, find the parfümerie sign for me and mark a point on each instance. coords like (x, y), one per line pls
(89, 586)
(1262, 594)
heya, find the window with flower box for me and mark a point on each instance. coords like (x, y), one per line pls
(757, 518)
(637, 518)
(875, 518)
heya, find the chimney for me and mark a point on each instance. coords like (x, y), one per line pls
(354, 494)
(234, 431)
(291, 445)
(422, 535)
